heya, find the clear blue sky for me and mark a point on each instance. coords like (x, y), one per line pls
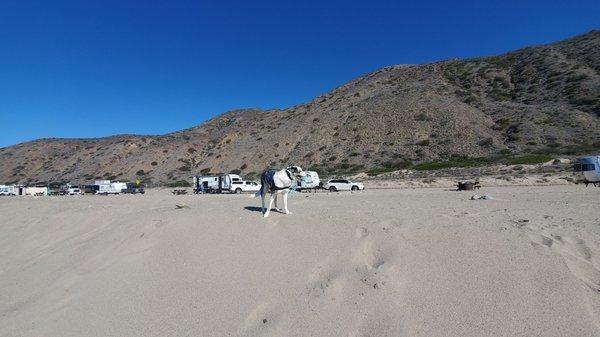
(97, 68)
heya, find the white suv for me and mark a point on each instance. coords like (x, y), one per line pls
(244, 186)
(74, 190)
(335, 185)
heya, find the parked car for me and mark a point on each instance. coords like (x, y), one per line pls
(133, 189)
(244, 186)
(334, 185)
(71, 190)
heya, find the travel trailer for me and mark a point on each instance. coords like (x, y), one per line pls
(310, 181)
(106, 187)
(7, 190)
(36, 190)
(587, 170)
(214, 183)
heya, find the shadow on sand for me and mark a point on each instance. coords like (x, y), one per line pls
(253, 209)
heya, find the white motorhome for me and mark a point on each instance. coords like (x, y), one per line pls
(310, 181)
(7, 190)
(36, 190)
(587, 170)
(215, 183)
(105, 187)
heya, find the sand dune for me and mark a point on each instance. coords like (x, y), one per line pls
(419, 262)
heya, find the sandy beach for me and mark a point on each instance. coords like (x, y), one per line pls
(391, 262)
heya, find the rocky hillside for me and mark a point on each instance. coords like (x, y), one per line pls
(536, 100)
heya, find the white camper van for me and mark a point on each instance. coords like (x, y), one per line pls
(310, 181)
(7, 190)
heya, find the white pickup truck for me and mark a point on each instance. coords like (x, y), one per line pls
(244, 186)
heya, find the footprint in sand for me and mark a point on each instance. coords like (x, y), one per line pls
(391, 224)
(323, 280)
(576, 254)
(361, 232)
(373, 278)
(374, 252)
(371, 256)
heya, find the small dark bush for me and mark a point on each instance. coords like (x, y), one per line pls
(529, 159)
(486, 142)
(179, 183)
(422, 117)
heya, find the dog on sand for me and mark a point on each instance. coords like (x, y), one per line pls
(274, 183)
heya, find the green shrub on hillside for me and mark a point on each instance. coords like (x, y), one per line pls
(529, 159)
(389, 166)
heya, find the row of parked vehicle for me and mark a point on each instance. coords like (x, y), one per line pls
(233, 183)
(103, 187)
(219, 183)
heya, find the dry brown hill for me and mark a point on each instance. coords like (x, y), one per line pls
(537, 100)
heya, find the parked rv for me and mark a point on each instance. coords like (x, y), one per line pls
(7, 190)
(214, 183)
(36, 190)
(105, 187)
(310, 181)
(587, 170)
